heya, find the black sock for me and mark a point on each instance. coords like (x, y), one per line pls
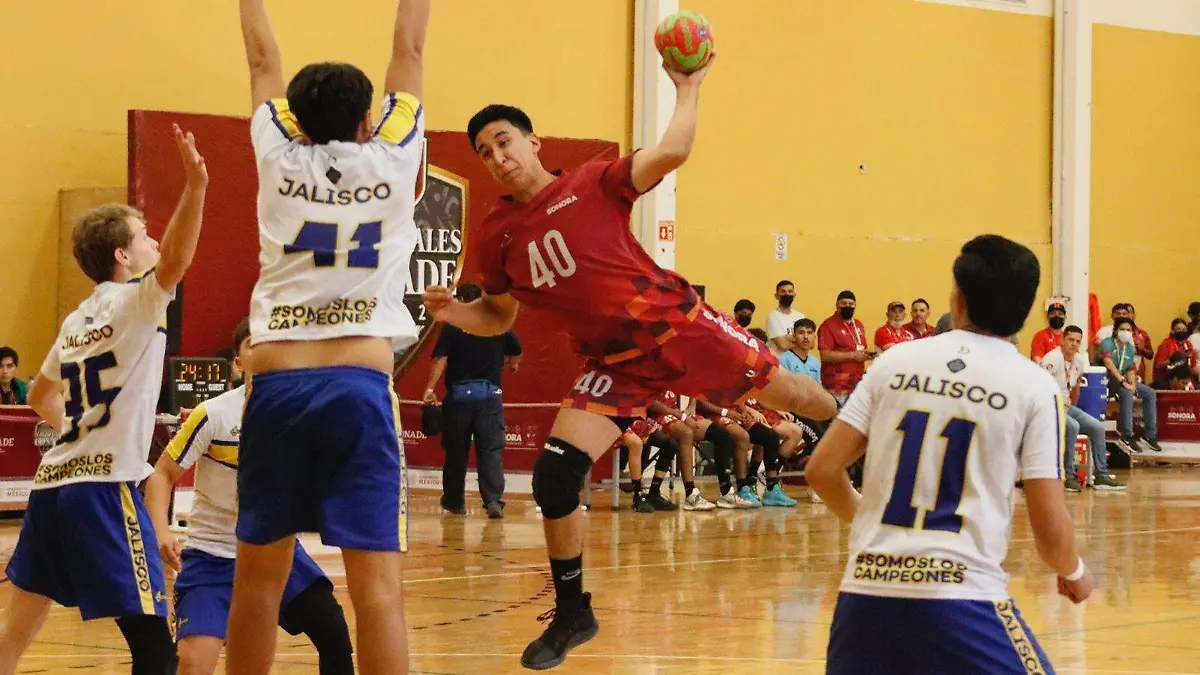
(745, 482)
(655, 484)
(752, 470)
(772, 481)
(568, 582)
(637, 486)
(688, 487)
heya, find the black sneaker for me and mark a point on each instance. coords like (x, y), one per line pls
(1072, 485)
(565, 632)
(641, 504)
(1153, 443)
(495, 510)
(1129, 445)
(660, 503)
(456, 509)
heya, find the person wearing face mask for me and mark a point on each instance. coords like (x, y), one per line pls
(842, 341)
(1050, 337)
(782, 318)
(743, 312)
(893, 332)
(1176, 343)
(1118, 355)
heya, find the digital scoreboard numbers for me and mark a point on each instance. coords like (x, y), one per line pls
(195, 380)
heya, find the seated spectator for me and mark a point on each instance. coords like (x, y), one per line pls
(893, 331)
(1118, 310)
(1051, 336)
(1118, 356)
(1176, 343)
(919, 327)
(1141, 344)
(13, 390)
(1067, 365)
(842, 340)
(1178, 375)
(800, 359)
(782, 318)
(743, 312)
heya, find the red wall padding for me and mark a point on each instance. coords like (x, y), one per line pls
(216, 292)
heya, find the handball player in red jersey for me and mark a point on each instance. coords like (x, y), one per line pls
(561, 242)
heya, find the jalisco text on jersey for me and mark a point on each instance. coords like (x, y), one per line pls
(925, 384)
(83, 339)
(311, 193)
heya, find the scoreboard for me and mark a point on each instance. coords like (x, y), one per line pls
(193, 380)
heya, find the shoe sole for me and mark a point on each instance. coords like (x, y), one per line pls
(579, 640)
(1110, 488)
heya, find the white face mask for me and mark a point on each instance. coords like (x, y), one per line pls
(1125, 336)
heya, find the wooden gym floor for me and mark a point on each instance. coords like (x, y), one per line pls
(735, 591)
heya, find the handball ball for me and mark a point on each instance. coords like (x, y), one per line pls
(685, 41)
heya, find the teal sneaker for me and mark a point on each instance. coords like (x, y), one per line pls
(748, 494)
(776, 497)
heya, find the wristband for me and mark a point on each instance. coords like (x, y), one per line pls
(1078, 573)
(724, 412)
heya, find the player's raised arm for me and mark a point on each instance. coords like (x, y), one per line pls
(183, 232)
(405, 73)
(488, 316)
(650, 165)
(262, 54)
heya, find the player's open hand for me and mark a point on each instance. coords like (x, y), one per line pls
(193, 164)
(438, 302)
(1076, 591)
(171, 551)
(692, 79)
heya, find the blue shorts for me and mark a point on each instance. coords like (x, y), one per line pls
(91, 546)
(320, 452)
(204, 590)
(900, 636)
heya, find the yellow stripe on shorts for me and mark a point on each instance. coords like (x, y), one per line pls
(137, 550)
(1007, 613)
(403, 516)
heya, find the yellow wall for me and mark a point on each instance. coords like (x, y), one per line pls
(949, 108)
(71, 76)
(1145, 180)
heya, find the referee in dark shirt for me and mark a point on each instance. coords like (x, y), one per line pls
(473, 407)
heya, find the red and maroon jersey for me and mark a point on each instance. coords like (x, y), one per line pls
(917, 333)
(887, 335)
(570, 252)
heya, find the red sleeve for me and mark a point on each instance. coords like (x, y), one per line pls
(490, 254)
(617, 179)
(1040, 346)
(826, 336)
(1163, 355)
(881, 337)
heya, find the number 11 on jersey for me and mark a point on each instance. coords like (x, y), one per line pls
(901, 510)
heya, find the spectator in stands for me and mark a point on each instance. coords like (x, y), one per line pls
(1051, 336)
(1178, 375)
(1194, 325)
(1118, 310)
(782, 318)
(800, 359)
(919, 327)
(1067, 365)
(1141, 344)
(473, 366)
(743, 312)
(1176, 343)
(13, 390)
(892, 332)
(842, 341)
(1118, 356)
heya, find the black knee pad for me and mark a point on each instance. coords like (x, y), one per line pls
(558, 476)
(317, 614)
(723, 445)
(150, 644)
(768, 438)
(668, 448)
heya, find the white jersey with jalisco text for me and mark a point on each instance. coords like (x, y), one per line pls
(951, 422)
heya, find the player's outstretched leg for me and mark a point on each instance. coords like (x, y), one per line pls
(576, 440)
(374, 579)
(24, 615)
(259, 577)
(799, 394)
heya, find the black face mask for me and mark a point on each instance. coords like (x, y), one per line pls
(786, 301)
(743, 320)
(1057, 322)
(1181, 335)
(846, 313)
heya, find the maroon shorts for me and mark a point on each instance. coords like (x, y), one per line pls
(710, 359)
(773, 418)
(666, 421)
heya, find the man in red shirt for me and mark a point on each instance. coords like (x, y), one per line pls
(919, 327)
(844, 350)
(1176, 343)
(1047, 339)
(893, 331)
(562, 243)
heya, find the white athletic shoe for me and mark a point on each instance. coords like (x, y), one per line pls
(697, 502)
(733, 501)
(816, 498)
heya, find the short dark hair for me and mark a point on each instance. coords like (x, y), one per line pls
(923, 301)
(97, 236)
(783, 283)
(498, 112)
(1194, 309)
(240, 334)
(1178, 320)
(1073, 329)
(758, 333)
(1121, 321)
(805, 323)
(330, 100)
(7, 352)
(744, 303)
(1117, 307)
(998, 278)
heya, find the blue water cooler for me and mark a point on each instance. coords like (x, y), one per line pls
(1093, 392)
